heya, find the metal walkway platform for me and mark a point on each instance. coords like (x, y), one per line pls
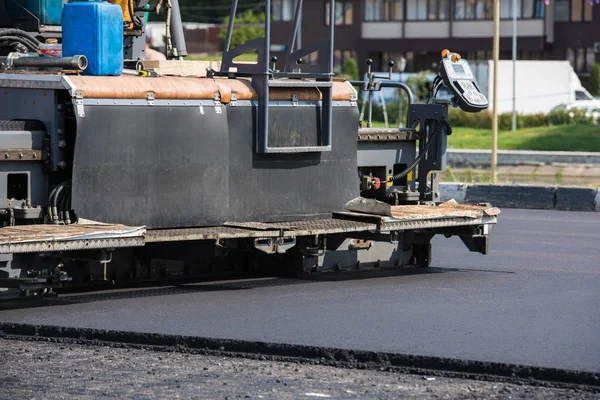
(40, 238)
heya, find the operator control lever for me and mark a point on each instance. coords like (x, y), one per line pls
(391, 64)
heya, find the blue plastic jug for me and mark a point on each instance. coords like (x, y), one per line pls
(94, 28)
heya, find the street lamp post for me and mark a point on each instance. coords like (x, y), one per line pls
(514, 61)
(495, 99)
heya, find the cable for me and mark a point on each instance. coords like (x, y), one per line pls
(20, 36)
(15, 40)
(402, 174)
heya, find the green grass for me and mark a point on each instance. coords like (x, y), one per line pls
(549, 138)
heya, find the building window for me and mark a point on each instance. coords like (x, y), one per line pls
(421, 10)
(576, 10)
(409, 58)
(587, 11)
(484, 9)
(282, 10)
(343, 13)
(437, 10)
(562, 10)
(416, 10)
(581, 58)
(373, 10)
(590, 59)
(340, 57)
(396, 10)
(533, 9)
(474, 9)
(573, 10)
(383, 10)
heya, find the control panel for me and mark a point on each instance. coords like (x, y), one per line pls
(457, 75)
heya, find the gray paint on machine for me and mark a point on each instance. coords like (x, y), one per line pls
(181, 167)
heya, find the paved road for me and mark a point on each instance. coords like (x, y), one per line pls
(534, 300)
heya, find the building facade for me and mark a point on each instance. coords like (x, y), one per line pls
(417, 30)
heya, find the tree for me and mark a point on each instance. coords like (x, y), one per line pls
(207, 11)
(243, 34)
(420, 84)
(595, 79)
(351, 69)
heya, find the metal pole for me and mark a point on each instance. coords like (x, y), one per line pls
(331, 33)
(232, 13)
(299, 39)
(295, 25)
(177, 30)
(495, 84)
(514, 61)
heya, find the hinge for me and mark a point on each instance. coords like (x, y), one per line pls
(79, 104)
(217, 100)
(353, 99)
(150, 98)
(233, 101)
(294, 100)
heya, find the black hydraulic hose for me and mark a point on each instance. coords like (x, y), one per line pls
(68, 207)
(54, 199)
(12, 40)
(20, 36)
(402, 174)
(19, 32)
(63, 204)
(54, 204)
(50, 198)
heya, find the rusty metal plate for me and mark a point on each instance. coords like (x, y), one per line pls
(431, 218)
(386, 135)
(206, 233)
(240, 230)
(23, 155)
(325, 226)
(38, 238)
(253, 225)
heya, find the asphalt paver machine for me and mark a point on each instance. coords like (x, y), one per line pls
(145, 173)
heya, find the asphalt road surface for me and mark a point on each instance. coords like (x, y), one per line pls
(535, 299)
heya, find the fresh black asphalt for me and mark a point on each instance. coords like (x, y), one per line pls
(534, 300)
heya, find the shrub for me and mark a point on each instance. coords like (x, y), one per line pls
(595, 79)
(483, 120)
(243, 35)
(351, 69)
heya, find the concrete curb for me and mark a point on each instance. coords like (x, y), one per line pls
(561, 198)
(474, 157)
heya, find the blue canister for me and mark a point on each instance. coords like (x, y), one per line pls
(94, 28)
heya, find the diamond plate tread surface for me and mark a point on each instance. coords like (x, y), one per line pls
(233, 230)
(425, 221)
(32, 80)
(310, 227)
(33, 238)
(205, 233)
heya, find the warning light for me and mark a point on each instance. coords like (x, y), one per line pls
(455, 57)
(377, 183)
(445, 53)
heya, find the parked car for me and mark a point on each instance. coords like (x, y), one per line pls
(591, 108)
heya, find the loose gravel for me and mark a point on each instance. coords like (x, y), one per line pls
(47, 370)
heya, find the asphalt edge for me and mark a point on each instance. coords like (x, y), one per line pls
(343, 358)
(560, 198)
